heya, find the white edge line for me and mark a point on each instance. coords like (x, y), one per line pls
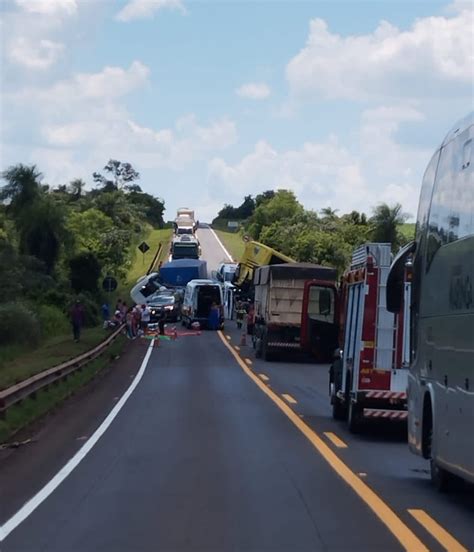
(229, 256)
(27, 509)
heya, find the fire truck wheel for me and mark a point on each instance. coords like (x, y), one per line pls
(339, 411)
(354, 417)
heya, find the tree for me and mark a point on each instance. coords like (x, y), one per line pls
(264, 197)
(385, 222)
(245, 210)
(42, 230)
(96, 233)
(151, 208)
(329, 213)
(118, 175)
(23, 187)
(283, 205)
(76, 188)
(84, 272)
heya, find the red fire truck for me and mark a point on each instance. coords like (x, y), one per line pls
(369, 379)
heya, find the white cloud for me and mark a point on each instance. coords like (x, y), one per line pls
(48, 7)
(373, 169)
(111, 82)
(32, 39)
(81, 122)
(434, 56)
(35, 54)
(143, 9)
(254, 91)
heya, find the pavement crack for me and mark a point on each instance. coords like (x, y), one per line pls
(321, 543)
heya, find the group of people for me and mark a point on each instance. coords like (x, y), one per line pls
(136, 318)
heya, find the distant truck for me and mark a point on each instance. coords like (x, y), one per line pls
(185, 247)
(255, 254)
(296, 309)
(184, 225)
(181, 271)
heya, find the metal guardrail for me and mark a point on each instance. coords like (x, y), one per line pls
(151, 268)
(28, 388)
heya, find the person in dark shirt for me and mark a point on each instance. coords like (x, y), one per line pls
(77, 319)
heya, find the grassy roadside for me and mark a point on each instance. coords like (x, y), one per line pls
(53, 352)
(141, 263)
(20, 415)
(233, 243)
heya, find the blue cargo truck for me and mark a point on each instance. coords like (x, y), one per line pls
(179, 272)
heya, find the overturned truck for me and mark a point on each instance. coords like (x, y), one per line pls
(295, 310)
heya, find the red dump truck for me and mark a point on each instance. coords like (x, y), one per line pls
(296, 309)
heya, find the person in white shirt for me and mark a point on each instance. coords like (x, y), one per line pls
(145, 317)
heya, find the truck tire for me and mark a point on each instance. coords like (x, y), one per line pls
(339, 408)
(266, 355)
(354, 417)
(258, 348)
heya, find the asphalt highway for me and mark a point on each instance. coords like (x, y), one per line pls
(211, 449)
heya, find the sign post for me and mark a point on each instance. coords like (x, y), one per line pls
(143, 247)
(109, 284)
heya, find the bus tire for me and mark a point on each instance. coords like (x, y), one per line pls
(441, 478)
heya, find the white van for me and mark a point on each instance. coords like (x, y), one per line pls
(198, 299)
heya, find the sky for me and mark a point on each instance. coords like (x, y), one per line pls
(341, 101)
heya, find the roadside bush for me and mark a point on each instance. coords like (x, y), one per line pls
(18, 324)
(52, 320)
(84, 272)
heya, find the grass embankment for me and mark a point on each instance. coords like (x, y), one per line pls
(20, 415)
(140, 262)
(53, 352)
(233, 243)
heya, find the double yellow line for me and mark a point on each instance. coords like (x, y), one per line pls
(387, 516)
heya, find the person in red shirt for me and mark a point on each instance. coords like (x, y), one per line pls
(77, 319)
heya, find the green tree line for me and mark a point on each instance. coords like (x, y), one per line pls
(57, 243)
(276, 218)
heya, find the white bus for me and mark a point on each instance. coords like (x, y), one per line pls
(441, 379)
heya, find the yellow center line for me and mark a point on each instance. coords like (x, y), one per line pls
(228, 337)
(446, 540)
(289, 398)
(386, 515)
(237, 348)
(335, 440)
(264, 377)
(248, 361)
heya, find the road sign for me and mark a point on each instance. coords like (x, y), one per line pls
(109, 284)
(143, 247)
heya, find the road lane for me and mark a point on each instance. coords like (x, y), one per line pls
(200, 459)
(212, 251)
(380, 452)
